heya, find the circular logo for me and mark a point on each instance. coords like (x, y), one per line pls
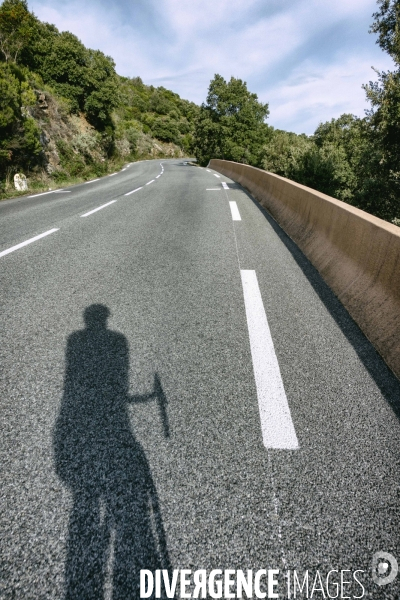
(384, 568)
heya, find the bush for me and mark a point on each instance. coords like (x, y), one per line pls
(165, 129)
(86, 142)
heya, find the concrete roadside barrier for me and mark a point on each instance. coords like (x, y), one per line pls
(357, 254)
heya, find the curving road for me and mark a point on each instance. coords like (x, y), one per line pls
(180, 390)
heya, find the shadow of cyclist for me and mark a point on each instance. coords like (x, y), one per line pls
(115, 526)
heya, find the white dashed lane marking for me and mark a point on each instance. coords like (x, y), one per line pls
(43, 194)
(22, 244)
(133, 191)
(235, 211)
(276, 421)
(98, 208)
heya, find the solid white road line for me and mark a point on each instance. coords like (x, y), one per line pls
(133, 191)
(235, 211)
(62, 192)
(213, 189)
(276, 422)
(112, 174)
(98, 208)
(22, 244)
(123, 169)
(225, 185)
(215, 175)
(42, 194)
(92, 181)
(149, 182)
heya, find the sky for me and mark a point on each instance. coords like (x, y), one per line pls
(306, 58)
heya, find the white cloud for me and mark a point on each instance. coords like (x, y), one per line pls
(317, 93)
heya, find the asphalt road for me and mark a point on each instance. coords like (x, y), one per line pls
(136, 411)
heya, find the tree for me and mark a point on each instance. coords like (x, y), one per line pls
(86, 78)
(231, 125)
(384, 95)
(165, 129)
(384, 116)
(283, 152)
(326, 168)
(16, 28)
(64, 67)
(319, 161)
(386, 24)
(101, 88)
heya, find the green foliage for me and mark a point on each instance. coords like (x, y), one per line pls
(319, 162)
(344, 159)
(158, 103)
(85, 78)
(386, 24)
(358, 140)
(19, 133)
(231, 125)
(75, 159)
(9, 98)
(326, 168)
(101, 88)
(384, 96)
(28, 97)
(132, 134)
(63, 67)
(165, 129)
(31, 148)
(183, 126)
(16, 28)
(383, 134)
(157, 111)
(127, 134)
(283, 152)
(86, 143)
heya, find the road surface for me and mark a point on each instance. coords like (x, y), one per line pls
(180, 390)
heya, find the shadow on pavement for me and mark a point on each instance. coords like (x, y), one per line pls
(384, 378)
(115, 525)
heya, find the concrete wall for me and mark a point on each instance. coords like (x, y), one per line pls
(357, 254)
